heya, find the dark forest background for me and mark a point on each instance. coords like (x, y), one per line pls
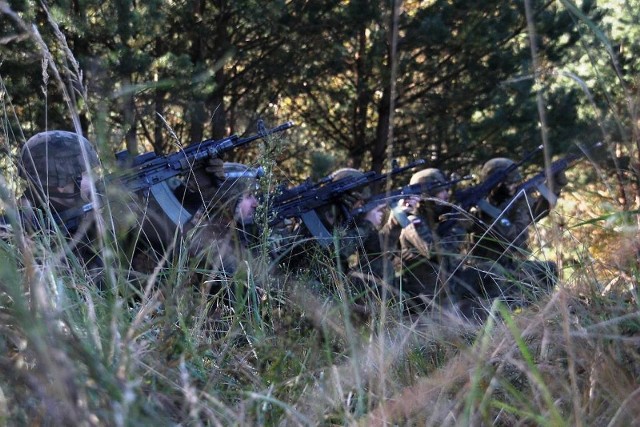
(453, 82)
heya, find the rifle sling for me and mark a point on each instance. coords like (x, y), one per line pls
(170, 205)
(314, 224)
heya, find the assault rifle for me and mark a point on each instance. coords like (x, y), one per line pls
(149, 173)
(303, 200)
(148, 169)
(538, 182)
(403, 193)
(560, 165)
(468, 198)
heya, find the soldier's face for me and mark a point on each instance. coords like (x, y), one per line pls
(72, 190)
(85, 187)
(246, 207)
(443, 195)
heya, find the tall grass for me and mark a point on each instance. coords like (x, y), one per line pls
(156, 350)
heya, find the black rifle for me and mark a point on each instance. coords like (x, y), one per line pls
(555, 167)
(149, 172)
(303, 200)
(403, 193)
(538, 182)
(148, 169)
(468, 198)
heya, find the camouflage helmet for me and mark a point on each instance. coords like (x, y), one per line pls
(55, 158)
(498, 164)
(362, 193)
(430, 177)
(239, 179)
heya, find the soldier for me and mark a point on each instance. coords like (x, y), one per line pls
(502, 236)
(361, 255)
(56, 165)
(157, 237)
(430, 270)
(224, 234)
(329, 239)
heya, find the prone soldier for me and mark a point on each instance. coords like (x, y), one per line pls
(329, 238)
(430, 270)
(56, 168)
(501, 235)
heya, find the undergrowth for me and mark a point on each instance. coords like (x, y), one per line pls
(156, 350)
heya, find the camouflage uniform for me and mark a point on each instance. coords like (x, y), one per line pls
(355, 251)
(53, 164)
(431, 256)
(501, 244)
(222, 242)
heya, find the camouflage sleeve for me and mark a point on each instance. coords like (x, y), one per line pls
(516, 232)
(355, 238)
(417, 239)
(370, 238)
(213, 249)
(371, 258)
(390, 234)
(454, 240)
(205, 179)
(283, 238)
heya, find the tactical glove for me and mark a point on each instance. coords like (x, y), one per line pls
(560, 180)
(351, 200)
(208, 175)
(214, 167)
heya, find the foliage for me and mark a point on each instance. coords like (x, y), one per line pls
(166, 353)
(464, 89)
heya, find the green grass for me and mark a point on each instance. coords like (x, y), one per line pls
(158, 351)
(75, 355)
(287, 351)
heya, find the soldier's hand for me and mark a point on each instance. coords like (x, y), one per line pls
(375, 215)
(208, 175)
(214, 166)
(560, 180)
(351, 200)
